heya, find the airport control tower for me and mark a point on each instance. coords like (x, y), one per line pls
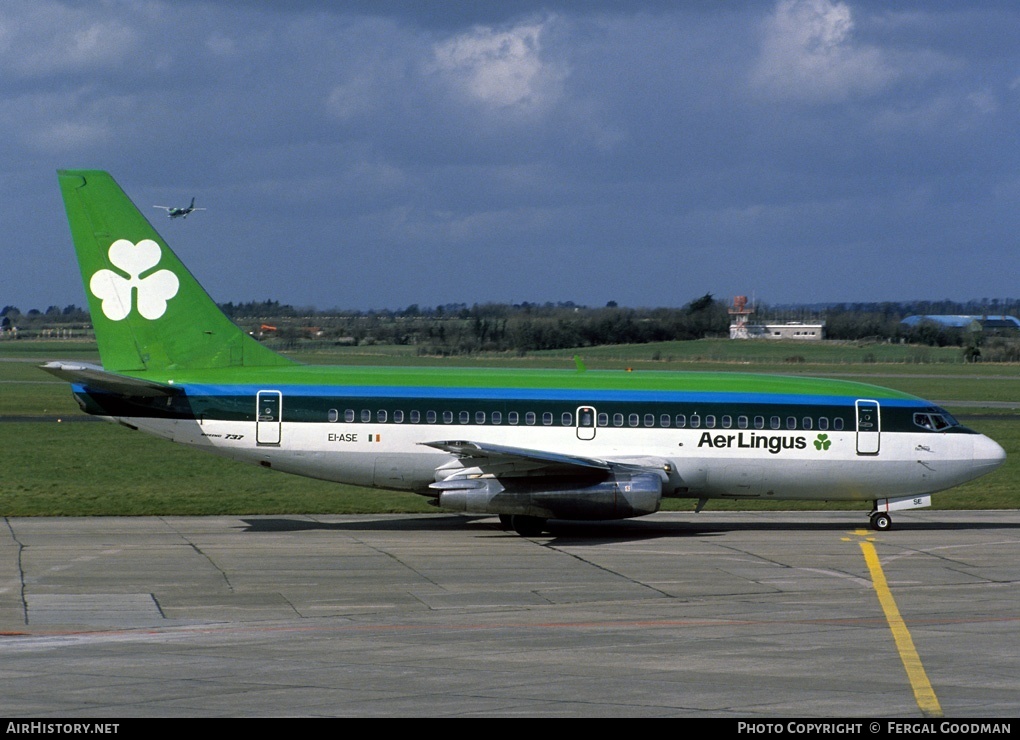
(740, 314)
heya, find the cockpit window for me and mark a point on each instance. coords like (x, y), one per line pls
(934, 421)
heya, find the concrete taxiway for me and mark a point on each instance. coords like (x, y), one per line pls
(756, 615)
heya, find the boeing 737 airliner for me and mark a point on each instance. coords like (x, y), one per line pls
(527, 445)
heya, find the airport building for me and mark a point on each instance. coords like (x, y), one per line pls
(962, 321)
(742, 328)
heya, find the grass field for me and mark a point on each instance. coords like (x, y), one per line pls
(63, 466)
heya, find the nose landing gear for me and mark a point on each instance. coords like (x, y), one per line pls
(881, 521)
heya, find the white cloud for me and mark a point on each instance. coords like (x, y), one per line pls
(59, 123)
(808, 52)
(984, 101)
(44, 38)
(353, 97)
(501, 69)
(221, 45)
(68, 136)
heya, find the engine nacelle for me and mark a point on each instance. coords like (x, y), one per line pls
(619, 496)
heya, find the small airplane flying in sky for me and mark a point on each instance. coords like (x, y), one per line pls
(526, 445)
(180, 211)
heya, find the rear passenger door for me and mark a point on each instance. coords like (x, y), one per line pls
(268, 417)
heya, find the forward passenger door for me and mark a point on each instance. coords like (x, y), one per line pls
(869, 427)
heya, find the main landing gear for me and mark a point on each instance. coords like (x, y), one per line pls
(881, 521)
(525, 526)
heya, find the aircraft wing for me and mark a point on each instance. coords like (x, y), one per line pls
(96, 378)
(477, 459)
(498, 479)
(490, 455)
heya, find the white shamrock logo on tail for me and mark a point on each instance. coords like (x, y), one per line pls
(116, 291)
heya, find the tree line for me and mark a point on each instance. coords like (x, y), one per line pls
(457, 328)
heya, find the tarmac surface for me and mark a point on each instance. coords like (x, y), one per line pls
(744, 615)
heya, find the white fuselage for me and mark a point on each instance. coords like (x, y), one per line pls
(703, 463)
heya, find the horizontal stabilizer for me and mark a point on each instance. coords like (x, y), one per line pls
(96, 378)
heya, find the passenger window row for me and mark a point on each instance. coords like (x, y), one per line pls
(566, 419)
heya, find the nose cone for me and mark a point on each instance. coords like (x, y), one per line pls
(988, 455)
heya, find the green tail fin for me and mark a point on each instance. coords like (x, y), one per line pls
(148, 311)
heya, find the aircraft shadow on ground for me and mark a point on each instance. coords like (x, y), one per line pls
(562, 532)
(367, 523)
(559, 532)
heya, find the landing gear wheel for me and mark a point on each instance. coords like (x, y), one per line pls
(506, 522)
(881, 522)
(527, 526)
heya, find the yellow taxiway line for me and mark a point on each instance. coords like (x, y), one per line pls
(924, 694)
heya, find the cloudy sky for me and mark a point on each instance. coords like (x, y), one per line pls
(382, 153)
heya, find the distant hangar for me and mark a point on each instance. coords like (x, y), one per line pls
(961, 321)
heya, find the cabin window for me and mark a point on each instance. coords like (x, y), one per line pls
(806, 422)
(415, 417)
(633, 420)
(837, 424)
(430, 417)
(710, 421)
(695, 421)
(759, 422)
(334, 415)
(617, 420)
(547, 418)
(479, 417)
(464, 417)
(742, 422)
(380, 416)
(398, 417)
(603, 420)
(681, 421)
(823, 423)
(530, 418)
(791, 422)
(349, 415)
(774, 422)
(665, 420)
(727, 422)
(649, 420)
(447, 417)
(497, 417)
(567, 419)
(513, 418)
(366, 416)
